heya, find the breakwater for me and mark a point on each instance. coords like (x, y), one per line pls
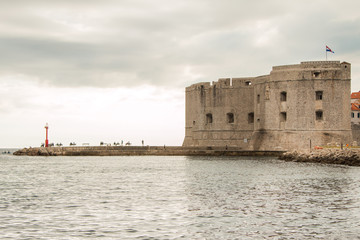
(350, 157)
(139, 151)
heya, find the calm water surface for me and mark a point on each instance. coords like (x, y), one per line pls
(176, 198)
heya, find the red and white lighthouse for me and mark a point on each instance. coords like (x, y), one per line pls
(46, 140)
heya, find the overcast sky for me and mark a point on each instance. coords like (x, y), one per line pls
(115, 70)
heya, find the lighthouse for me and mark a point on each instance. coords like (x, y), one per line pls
(46, 140)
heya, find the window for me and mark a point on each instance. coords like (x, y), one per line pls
(316, 74)
(209, 118)
(248, 83)
(283, 117)
(202, 91)
(319, 115)
(230, 117)
(258, 98)
(352, 115)
(283, 96)
(194, 122)
(358, 115)
(251, 117)
(319, 95)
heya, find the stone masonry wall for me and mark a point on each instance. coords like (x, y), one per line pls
(287, 109)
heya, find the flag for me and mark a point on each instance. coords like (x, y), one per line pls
(329, 50)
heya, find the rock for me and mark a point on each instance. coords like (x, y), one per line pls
(349, 157)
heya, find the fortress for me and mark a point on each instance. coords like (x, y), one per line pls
(294, 107)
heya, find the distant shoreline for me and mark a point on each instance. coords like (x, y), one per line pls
(8, 150)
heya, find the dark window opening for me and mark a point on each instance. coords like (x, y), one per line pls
(230, 117)
(316, 74)
(248, 83)
(319, 95)
(352, 115)
(319, 115)
(202, 92)
(258, 98)
(283, 117)
(251, 117)
(358, 115)
(194, 122)
(209, 118)
(283, 96)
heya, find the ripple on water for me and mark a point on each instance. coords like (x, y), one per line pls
(176, 198)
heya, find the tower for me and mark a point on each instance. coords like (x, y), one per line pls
(46, 140)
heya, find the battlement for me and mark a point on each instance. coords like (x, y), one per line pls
(320, 64)
(286, 67)
(228, 83)
(198, 86)
(308, 64)
(222, 82)
(310, 69)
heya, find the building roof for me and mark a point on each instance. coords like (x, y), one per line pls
(355, 107)
(355, 95)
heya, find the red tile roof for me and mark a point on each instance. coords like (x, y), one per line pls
(355, 95)
(355, 107)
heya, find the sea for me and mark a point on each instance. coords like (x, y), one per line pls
(177, 197)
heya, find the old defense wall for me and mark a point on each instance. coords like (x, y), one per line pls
(290, 108)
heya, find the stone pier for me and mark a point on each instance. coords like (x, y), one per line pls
(139, 151)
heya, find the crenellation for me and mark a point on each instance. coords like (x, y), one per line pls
(198, 86)
(286, 67)
(316, 64)
(242, 82)
(224, 82)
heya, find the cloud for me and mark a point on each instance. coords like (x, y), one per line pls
(131, 43)
(109, 44)
(80, 64)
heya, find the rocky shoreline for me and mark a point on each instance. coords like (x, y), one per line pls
(350, 157)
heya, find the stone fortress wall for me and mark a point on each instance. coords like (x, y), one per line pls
(293, 107)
